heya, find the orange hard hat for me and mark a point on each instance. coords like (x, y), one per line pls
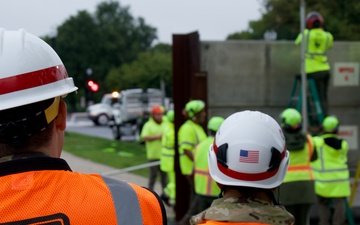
(157, 109)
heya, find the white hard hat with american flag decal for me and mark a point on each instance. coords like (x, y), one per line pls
(249, 150)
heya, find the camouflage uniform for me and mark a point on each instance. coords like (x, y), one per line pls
(21, 155)
(244, 210)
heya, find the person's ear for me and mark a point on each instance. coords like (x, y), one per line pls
(60, 121)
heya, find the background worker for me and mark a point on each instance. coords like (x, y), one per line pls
(316, 62)
(206, 188)
(151, 134)
(297, 192)
(331, 173)
(167, 159)
(190, 134)
(248, 160)
(37, 186)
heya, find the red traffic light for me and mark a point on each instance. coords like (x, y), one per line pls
(94, 87)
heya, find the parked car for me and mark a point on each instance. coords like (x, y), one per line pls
(102, 112)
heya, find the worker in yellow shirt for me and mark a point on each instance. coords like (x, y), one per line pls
(167, 158)
(318, 42)
(191, 134)
(297, 192)
(151, 134)
(331, 173)
(206, 189)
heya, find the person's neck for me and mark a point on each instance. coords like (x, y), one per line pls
(256, 194)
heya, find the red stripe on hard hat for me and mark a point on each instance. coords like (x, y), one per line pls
(246, 176)
(32, 79)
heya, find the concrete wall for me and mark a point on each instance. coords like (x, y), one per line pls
(259, 75)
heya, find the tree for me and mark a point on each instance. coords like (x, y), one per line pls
(145, 72)
(283, 17)
(107, 39)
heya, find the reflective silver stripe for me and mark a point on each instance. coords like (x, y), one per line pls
(323, 163)
(168, 155)
(332, 181)
(169, 148)
(329, 170)
(126, 203)
(322, 157)
(315, 54)
(187, 143)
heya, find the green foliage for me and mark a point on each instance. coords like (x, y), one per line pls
(101, 41)
(146, 71)
(113, 153)
(283, 16)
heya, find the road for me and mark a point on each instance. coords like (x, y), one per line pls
(80, 124)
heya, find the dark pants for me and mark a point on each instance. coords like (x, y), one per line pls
(193, 203)
(339, 215)
(205, 202)
(321, 79)
(300, 212)
(154, 170)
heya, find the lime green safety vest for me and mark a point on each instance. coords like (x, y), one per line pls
(190, 134)
(299, 168)
(167, 149)
(317, 43)
(153, 148)
(330, 170)
(204, 184)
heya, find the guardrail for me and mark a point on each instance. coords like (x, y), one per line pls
(75, 116)
(132, 168)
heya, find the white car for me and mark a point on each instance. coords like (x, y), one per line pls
(102, 112)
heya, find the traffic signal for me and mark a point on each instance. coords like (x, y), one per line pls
(93, 86)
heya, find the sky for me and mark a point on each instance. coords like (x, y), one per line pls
(213, 19)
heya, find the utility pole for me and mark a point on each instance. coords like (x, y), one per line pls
(303, 74)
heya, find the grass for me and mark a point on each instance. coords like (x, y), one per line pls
(117, 154)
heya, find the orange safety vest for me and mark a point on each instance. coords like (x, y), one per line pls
(44, 190)
(299, 167)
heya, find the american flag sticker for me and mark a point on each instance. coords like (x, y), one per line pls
(249, 156)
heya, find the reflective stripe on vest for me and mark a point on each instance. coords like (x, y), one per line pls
(204, 184)
(205, 174)
(330, 169)
(127, 206)
(301, 171)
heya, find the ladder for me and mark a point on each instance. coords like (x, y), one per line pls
(355, 185)
(314, 108)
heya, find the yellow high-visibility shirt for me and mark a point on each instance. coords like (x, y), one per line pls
(317, 43)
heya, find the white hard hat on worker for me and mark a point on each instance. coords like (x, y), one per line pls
(249, 150)
(31, 71)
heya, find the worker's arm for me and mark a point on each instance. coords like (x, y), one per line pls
(152, 137)
(331, 40)
(189, 154)
(147, 135)
(299, 37)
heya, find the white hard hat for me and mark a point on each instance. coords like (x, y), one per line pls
(31, 71)
(249, 150)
